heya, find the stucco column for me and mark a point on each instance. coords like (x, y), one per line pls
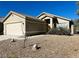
(72, 30)
(51, 21)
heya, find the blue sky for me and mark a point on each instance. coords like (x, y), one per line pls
(62, 8)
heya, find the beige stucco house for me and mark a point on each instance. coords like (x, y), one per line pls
(19, 25)
(55, 21)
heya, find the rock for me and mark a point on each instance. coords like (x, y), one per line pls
(34, 47)
(12, 40)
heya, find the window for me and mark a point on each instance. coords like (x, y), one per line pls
(63, 25)
(47, 21)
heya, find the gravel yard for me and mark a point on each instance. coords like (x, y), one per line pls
(52, 46)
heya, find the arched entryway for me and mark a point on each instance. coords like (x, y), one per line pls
(48, 23)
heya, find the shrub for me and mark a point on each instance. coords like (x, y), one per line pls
(59, 31)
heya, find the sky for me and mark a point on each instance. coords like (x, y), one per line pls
(65, 9)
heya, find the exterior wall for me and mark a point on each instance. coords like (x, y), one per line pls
(50, 26)
(31, 26)
(63, 23)
(14, 19)
(35, 27)
(72, 30)
(51, 22)
(1, 28)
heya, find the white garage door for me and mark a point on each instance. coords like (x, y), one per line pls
(14, 29)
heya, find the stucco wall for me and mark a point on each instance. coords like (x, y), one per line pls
(51, 22)
(13, 19)
(63, 23)
(31, 26)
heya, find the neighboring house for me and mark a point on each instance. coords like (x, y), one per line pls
(55, 21)
(20, 25)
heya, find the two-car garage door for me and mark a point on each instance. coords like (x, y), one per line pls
(14, 29)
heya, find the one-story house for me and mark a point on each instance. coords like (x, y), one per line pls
(55, 21)
(20, 25)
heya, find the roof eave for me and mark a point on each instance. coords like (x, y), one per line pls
(52, 15)
(11, 12)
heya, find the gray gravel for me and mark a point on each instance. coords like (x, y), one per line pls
(51, 46)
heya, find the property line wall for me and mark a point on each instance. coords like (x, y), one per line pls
(35, 27)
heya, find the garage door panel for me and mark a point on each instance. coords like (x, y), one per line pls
(14, 29)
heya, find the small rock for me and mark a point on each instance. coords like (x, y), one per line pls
(12, 40)
(34, 47)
